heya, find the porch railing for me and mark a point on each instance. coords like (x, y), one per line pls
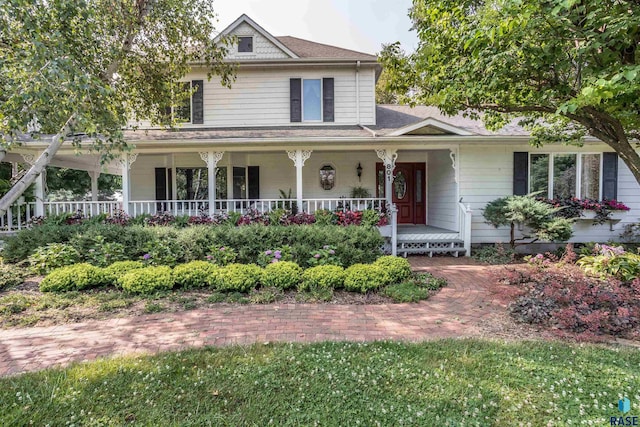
(353, 204)
(464, 225)
(16, 217)
(87, 208)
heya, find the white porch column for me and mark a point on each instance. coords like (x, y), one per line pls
(299, 157)
(211, 158)
(94, 185)
(389, 158)
(126, 161)
(39, 194)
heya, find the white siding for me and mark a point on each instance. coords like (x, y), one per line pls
(442, 208)
(263, 48)
(486, 173)
(260, 97)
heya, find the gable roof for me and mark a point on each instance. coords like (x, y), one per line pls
(244, 18)
(308, 49)
(396, 120)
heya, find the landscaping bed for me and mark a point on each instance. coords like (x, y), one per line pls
(449, 382)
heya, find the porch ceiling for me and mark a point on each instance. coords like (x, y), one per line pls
(85, 162)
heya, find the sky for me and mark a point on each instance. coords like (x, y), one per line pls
(362, 25)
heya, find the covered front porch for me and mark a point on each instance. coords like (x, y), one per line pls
(416, 187)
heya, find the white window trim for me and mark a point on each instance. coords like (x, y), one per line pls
(578, 172)
(253, 44)
(321, 100)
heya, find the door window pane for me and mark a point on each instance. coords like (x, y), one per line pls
(590, 177)
(311, 95)
(564, 175)
(400, 186)
(418, 186)
(539, 175)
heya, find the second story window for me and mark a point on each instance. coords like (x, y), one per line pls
(311, 100)
(182, 109)
(245, 44)
(187, 109)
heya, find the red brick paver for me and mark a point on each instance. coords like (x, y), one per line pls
(456, 311)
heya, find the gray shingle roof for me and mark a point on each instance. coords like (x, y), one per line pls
(308, 49)
(249, 133)
(392, 117)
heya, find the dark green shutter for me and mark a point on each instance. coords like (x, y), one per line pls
(520, 173)
(609, 176)
(253, 173)
(295, 99)
(327, 100)
(197, 102)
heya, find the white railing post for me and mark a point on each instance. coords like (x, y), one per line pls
(466, 217)
(393, 210)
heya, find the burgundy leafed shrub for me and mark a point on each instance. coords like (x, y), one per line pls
(577, 305)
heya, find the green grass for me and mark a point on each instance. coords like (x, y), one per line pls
(444, 383)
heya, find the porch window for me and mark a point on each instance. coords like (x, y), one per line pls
(564, 175)
(193, 183)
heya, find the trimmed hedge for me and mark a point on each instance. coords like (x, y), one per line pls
(147, 280)
(353, 244)
(397, 268)
(74, 278)
(322, 277)
(365, 277)
(282, 275)
(195, 274)
(10, 276)
(119, 268)
(237, 277)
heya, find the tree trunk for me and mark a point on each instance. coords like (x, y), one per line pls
(45, 158)
(630, 157)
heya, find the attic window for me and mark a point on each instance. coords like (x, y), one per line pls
(245, 44)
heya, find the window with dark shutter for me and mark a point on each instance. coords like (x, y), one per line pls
(327, 100)
(520, 173)
(197, 101)
(609, 176)
(253, 176)
(295, 97)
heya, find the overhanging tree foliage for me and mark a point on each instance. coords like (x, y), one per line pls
(573, 63)
(81, 69)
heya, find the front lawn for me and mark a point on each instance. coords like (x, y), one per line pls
(450, 382)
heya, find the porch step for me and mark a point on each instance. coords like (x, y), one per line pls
(454, 247)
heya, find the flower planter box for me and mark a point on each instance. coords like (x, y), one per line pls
(590, 215)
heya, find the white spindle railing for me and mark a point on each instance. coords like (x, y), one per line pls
(87, 208)
(16, 217)
(464, 226)
(261, 205)
(353, 204)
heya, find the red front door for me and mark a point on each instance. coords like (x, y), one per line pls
(408, 191)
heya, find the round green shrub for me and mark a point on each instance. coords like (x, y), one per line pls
(52, 256)
(322, 277)
(195, 274)
(11, 276)
(147, 280)
(397, 268)
(281, 275)
(119, 268)
(74, 278)
(365, 277)
(237, 277)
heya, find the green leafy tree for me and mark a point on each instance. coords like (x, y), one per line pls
(87, 67)
(573, 63)
(538, 217)
(78, 183)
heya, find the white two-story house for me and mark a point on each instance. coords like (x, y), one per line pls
(301, 125)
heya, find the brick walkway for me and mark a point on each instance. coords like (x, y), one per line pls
(456, 311)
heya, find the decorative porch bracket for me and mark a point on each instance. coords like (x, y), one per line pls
(299, 157)
(126, 161)
(455, 162)
(389, 158)
(211, 158)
